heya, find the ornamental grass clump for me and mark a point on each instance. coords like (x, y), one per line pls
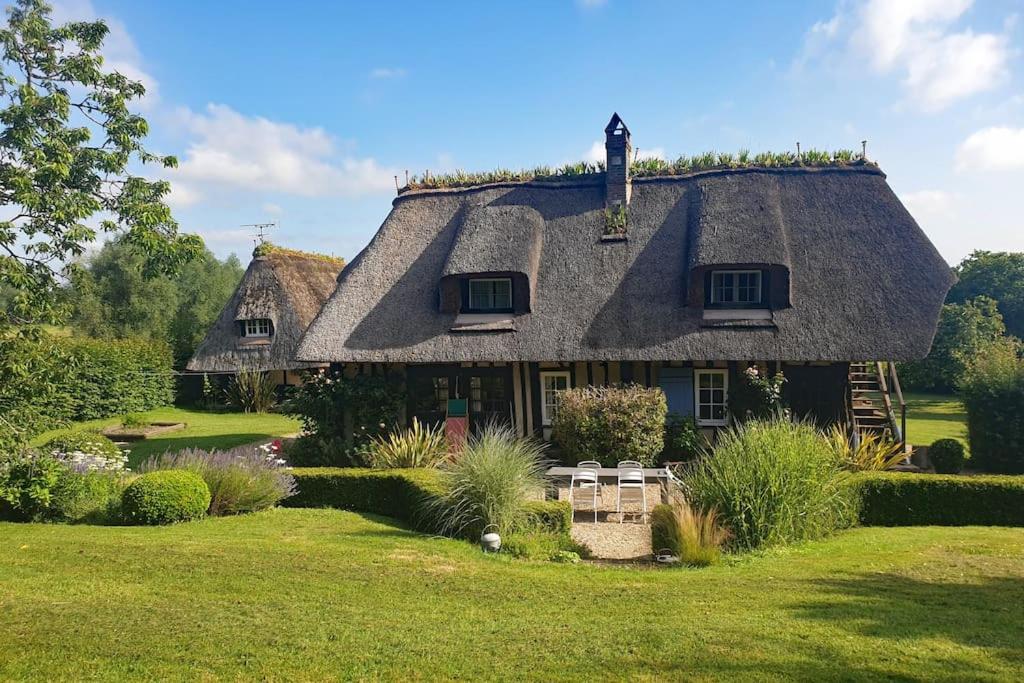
(693, 535)
(252, 391)
(240, 480)
(873, 453)
(489, 483)
(418, 446)
(773, 482)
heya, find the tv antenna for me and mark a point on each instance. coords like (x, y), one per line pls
(261, 231)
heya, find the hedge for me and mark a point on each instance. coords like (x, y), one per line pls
(398, 493)
(993, 395)
(53, 380)
(610, 424)
(905, 499)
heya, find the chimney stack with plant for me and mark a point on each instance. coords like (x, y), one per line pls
(617, 186)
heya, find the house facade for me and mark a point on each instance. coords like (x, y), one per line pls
(259, 328)
(507, 293)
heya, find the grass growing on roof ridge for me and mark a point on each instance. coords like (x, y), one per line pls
(641, 168)
(268, 248)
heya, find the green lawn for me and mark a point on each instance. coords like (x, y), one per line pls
(935, 416)
(324, 594)
(205, 430)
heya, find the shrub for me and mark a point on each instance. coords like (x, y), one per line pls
(418, 446)
(84, 450)
(947, 456)
(872, 452)
(609, 424)
(346, 411)
(92, 496)
(165, 497)
(134, 420)
(311, 450)
(240, 480)
(542, 544)
(39, 487)
(756, 396)
(489, 483)
(773, 482)
(993, 394)
(694, 536)
(683, 439)
(402, 494)
(553, 515)
(904, 499)
(252, 391)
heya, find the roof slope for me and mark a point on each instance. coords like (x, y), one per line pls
(289, 288)
(866, 283)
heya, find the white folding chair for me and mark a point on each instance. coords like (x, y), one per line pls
(584, 484)
(629, 463)
(631, 479)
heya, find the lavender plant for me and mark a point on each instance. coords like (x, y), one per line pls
(242, 479)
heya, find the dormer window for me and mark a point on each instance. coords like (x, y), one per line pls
(488, 295)
(256, 327)
(735, 289)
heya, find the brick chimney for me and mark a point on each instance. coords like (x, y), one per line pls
(617, 151)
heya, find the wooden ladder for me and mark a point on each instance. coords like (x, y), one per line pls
(871, 401)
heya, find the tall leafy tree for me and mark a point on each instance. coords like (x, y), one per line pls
(68, 145)
(999, 276)
(965, 331)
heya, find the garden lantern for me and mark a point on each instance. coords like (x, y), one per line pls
(490, 541)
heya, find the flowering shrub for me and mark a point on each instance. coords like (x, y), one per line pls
(756, 396)
(344, 415)
(609, 424)
(40, 487)
(243, 479)
(87, 451)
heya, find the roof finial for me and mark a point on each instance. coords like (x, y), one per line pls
(863, 150)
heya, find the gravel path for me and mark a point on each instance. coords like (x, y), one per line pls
(614, 541)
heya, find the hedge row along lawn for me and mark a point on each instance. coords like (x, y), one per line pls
(206, 430)
(325, 594)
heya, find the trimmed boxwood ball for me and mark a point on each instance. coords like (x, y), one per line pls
(947, 456)
(165, 497)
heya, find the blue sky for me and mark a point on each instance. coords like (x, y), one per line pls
(303, 113)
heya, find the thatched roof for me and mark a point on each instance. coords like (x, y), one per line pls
(288, 287)
(864, 282)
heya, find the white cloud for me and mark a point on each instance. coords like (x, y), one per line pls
(383, 72)
(120, 53)
(232, 150)
(999, 148)
(917, 40)
(272, 209)
(596, 152)
(927, 204)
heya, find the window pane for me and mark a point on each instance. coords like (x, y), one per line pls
(502, 293)
(718, 413)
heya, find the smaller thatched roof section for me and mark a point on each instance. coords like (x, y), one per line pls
(285, 286)
(496, 239)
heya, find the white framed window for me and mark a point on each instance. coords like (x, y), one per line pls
(490, 294)
(551, 383)
(256, 327)
(711, 397)
(736, 287)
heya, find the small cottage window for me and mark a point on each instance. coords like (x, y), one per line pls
(736, 288)
(257, 327)
(552, 383)
(490, 295)
(711, 390)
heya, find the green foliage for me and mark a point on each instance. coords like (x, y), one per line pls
(401, 494)
(683, 439)
(92, 443)
(27, 483)
(240, 480)
(553, 515)
(352, 411)
(616, 220)
(69, 142)
(872, 452)
(774, 482)
(134, 421)
(947, 456)
(542, 544)
(312, 450)
(903, 499)
(418, 446)
(165, 497)
(998, 276)
(112, 297)
(695, 536)
(993, 394)
(965, 331)
(609, 424)
(488, 483)
(756, 396)
(90, 496)
(252, 391)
